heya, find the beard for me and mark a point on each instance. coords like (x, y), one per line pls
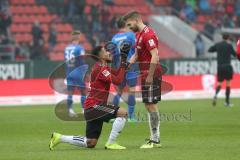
(135, 28)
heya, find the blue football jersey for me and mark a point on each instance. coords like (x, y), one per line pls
(75, 67)
(125, 36)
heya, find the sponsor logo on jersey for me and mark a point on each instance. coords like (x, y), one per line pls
(106, 73)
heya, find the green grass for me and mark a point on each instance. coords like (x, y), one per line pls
(211, 133)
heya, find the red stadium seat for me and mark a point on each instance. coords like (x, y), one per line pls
(56, 56)
(44, 27)
(87, 46)
(30, 2)
(162, 2)
(14, 2)
(87, 9)
(43, 10)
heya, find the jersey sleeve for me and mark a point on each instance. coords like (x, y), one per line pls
(81, 50)
(149, 42)
(212, 48)
(232, 51)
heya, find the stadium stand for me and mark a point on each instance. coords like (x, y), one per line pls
(204, 15)
(26, 12)
(96, 19)
(99, 16)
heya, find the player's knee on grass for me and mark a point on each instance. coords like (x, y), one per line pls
(91, 143)
(122, 113)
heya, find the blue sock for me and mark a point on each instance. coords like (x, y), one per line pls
(130, 111)
(83, 98)
(131, 104)
(116, 100)
(69, 101)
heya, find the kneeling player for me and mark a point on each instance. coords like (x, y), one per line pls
(96, 109)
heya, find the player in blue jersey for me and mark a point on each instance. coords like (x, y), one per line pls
(124, 35)
(75, 71)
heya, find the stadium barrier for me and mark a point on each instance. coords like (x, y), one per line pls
(42, 69)
(38, 91)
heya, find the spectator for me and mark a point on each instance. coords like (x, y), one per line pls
(209, 29)
(4, 39)
(37, 51)
(177, 5)
(108, 2)
(52, 39)
(230, 7)
(96, 26)
(105, 20)
(5, 22)
(204, 6)
(237, 8)
(37, 33)
(228, 22)
(69, 8)
(80, 6)
(188, 13)
(199, 45)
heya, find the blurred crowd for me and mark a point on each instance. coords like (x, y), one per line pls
(97, 24)
(217, 13)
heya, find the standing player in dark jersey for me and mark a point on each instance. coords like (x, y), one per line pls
(97, 111)
(224, 68)
(147, 55)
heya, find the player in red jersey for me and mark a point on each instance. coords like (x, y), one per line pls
(96, 110)
(148, 58)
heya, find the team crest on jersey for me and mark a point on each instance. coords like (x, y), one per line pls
(151, 42)
(106, 73)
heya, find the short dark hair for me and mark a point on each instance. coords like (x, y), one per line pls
(225, 36)
(131, 15)
(121, 22)
(97, 50)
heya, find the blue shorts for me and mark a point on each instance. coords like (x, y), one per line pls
(130, 79)
(76, 77)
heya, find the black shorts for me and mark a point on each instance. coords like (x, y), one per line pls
(224, 72)
(152, 94)
(95, 116)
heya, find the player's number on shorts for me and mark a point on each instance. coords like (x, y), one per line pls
(70, 56)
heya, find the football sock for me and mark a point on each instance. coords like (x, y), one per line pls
(74, 140)
(130, 112)
(116, 100)
(69, 101)
(117, 127)
(83, 98)
(131, 104)
(228, 90)
(154, 125)
(218, 88)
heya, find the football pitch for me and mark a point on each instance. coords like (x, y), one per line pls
(190, 130)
